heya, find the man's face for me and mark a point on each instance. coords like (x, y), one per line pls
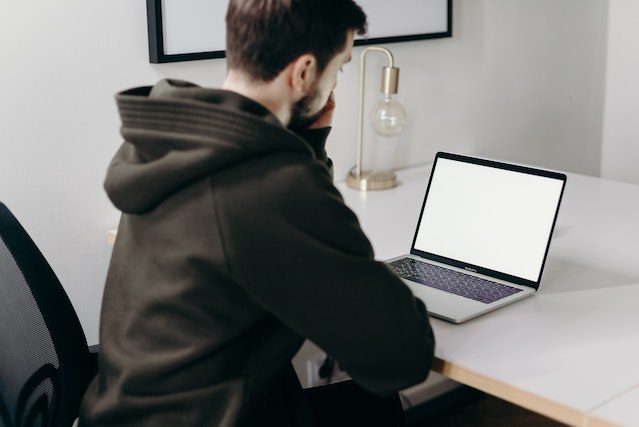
(308, 109)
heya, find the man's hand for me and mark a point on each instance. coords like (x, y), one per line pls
(326, 114)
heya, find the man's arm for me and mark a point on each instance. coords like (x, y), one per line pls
(317, 133)
(302, 255)
(316, 138)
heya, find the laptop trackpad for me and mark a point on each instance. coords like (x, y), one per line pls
(454, 307)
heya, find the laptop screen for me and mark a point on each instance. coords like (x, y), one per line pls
(489, 215)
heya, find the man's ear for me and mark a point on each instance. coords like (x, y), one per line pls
(303, 74)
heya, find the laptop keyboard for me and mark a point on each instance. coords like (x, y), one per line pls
(451, 281)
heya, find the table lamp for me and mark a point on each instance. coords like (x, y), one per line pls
(387, 120)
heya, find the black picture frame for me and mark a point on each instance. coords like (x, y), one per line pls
(156, 37)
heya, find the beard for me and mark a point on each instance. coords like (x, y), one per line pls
(304, 112)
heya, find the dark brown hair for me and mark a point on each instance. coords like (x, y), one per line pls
(264, 36)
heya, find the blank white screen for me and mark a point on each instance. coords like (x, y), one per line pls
(489, 217)
(405, 17)
(199, 25)
(194, 26)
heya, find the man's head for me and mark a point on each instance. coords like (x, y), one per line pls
(298, 45)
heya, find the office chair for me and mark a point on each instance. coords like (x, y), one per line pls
(45, 365)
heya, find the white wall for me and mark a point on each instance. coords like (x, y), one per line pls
(521, 80)
(620, 148)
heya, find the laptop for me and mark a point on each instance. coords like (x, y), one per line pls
(482, 237)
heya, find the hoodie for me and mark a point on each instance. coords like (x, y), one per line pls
(233, 247)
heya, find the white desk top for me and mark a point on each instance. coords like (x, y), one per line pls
(572, 347)
(620, 411)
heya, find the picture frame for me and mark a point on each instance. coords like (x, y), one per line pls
(181, 30)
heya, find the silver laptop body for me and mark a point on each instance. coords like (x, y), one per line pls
(482, 237)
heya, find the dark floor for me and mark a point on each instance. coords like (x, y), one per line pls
(468, 407)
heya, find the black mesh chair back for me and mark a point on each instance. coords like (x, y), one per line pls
(44, 361)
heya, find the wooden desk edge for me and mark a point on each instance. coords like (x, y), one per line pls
(594, 421)
(111, 236)
(512, 394)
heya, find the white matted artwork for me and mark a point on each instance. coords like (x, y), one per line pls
(184, 30)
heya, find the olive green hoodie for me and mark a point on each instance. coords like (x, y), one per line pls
(233, 247)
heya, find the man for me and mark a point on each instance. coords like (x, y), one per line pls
(234, 245)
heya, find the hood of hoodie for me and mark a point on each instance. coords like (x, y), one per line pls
(176, 133)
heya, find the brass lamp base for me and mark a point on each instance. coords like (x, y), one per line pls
(371, 180)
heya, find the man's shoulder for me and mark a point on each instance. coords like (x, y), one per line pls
(286, 186)
(286, 199)
(283, 173)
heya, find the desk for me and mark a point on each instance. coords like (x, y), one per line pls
(619, 411)
(571, 350)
